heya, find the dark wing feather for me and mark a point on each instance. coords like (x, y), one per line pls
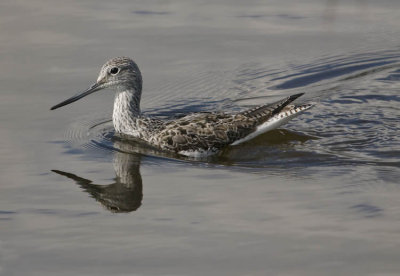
(215, 130)
(264, 112)
(205, 131)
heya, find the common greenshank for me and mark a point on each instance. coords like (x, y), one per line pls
(197, 134)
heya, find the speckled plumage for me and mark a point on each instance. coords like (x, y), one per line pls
(195, 134)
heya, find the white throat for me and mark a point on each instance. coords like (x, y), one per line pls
(126, 111)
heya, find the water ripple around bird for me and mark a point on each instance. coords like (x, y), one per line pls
(355, 120)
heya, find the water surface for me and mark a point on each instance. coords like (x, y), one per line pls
(316, 197)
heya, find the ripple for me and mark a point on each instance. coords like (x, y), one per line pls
(90, 134)
(355, 121)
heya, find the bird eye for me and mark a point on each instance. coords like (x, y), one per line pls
(114, 70)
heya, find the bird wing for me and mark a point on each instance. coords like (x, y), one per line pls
(204, 131)
(265, 112)
(213, 131)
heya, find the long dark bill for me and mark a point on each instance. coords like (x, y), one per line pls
(95, 87)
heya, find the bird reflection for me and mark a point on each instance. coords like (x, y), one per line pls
(126, 193)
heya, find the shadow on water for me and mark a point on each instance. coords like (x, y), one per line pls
(118, 197)
(125, 194)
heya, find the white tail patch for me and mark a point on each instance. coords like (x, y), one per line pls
(279, 119)
(197, 153)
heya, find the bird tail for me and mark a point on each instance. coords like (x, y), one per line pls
(264, 112)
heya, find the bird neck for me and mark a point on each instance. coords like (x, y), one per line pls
(126, 111)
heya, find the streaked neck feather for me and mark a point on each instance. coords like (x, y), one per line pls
(126, 111)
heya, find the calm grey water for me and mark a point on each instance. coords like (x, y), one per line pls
(318, 197)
